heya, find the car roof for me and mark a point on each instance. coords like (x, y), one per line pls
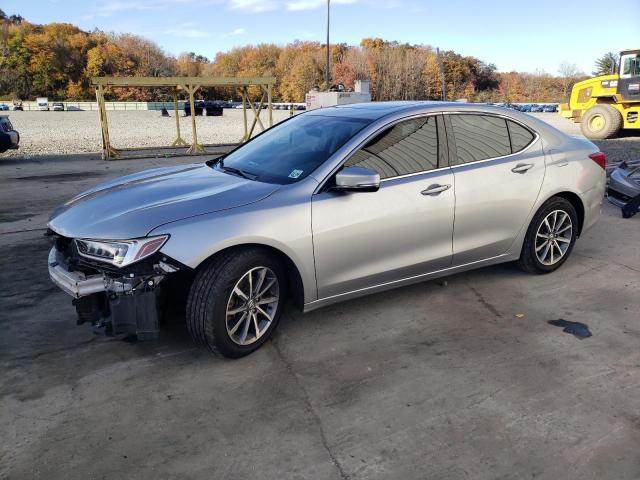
(379, 110)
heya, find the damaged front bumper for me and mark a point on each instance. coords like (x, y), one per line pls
(76, 284)
(114, 303)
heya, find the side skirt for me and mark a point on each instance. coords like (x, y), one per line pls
(323, 302)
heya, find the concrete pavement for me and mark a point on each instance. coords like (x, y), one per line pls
(463, 381)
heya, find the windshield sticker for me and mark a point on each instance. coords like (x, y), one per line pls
(295, 173)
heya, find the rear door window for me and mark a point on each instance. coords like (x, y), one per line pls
(479, 137)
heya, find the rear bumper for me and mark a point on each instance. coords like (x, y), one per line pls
(592, 202)
(620, 200)
(14, 139)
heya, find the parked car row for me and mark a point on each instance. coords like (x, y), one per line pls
(43, 105)
(529, 107)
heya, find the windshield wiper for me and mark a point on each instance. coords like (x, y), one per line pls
(219, 162)
(236, 171)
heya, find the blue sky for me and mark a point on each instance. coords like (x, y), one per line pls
(524, 36)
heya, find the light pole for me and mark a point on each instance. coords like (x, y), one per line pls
(327, 75)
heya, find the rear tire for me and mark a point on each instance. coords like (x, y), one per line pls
(226, 311)
(550, 237)
(601, 122)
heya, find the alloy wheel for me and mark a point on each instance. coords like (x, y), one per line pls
(553, 237)
(252, 305)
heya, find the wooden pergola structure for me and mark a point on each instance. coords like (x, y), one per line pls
(190, 85)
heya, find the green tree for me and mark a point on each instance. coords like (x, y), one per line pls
(606, 64)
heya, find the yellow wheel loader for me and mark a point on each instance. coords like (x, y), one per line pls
(604, 105)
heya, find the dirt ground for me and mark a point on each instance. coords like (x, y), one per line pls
(462, 379)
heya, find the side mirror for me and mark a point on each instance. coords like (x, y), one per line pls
(359, 179)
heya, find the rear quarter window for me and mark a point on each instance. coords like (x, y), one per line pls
(520, 136)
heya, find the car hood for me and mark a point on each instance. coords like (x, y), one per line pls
(132, 206)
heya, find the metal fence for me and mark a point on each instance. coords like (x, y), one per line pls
(93, 106)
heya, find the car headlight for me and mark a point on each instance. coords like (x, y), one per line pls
(120, 252)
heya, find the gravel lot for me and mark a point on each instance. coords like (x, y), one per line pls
(52, 133)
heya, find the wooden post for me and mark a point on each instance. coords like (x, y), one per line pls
(244, 113)
(178, 142)
(107, 151)
(269, 89)
(195, 146)
(256, 114)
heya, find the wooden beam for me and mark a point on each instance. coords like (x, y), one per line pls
(175, 81)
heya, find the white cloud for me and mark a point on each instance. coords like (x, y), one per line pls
(234, 33)
(186, 30)
(256, 6)
(253, 6)
(298, 5)
(108, 8)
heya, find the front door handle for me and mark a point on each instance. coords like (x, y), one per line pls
(435, 189)
(522, 167)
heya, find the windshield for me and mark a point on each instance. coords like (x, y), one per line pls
(290, 151)
(630, 65)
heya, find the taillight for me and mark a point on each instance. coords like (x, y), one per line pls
(600, 158)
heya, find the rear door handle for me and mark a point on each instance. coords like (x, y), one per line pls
(522, 167)
(435, 189)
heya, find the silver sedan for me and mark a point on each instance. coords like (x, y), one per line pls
(329, 205)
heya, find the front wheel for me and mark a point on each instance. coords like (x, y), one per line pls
(236, 301)
(601, 122)
(550, 237)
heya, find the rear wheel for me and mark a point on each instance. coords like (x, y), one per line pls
(550, 237)
(236, 301)
(600, 122)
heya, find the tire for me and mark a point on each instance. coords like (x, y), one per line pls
(537, 259)
(601, 122)
(213, 295)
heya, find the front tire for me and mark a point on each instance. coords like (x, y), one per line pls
(550, 237)
(236, 301)
(601, 122)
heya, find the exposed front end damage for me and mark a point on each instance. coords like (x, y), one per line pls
(114, 300)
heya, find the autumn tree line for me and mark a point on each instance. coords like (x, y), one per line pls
(57, 60)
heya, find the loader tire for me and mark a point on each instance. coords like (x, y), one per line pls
(601, 122)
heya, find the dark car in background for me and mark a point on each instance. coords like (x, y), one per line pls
(624, 188)
(198, 106)
(550, 108)
(537, 108)
(9, 137)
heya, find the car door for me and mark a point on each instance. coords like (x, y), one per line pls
(498, 165)
(364, 239)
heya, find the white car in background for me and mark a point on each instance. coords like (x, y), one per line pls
(43, 104)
